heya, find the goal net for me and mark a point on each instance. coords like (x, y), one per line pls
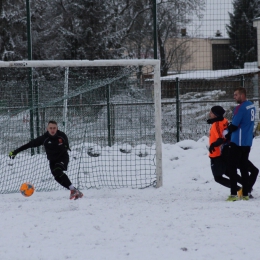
(109, 109)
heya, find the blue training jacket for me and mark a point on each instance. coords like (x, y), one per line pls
(243, 118)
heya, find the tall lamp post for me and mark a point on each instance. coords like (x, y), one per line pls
(29, 44)
(155, 56)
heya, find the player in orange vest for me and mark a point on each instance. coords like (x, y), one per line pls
(216, 139)
(218, 161)
(219, 124)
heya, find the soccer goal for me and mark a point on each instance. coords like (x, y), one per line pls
(109, 109)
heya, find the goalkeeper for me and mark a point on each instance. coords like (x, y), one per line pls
(56, 145)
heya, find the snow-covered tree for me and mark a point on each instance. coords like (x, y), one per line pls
(95, 29)
(12, 30)
(242, 34)
(171, 16)
(138, 40)
(44, 27)
(88, 29)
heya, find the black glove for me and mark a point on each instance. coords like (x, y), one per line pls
(212, 148)
(12, 154)
(219, 142)
(228, 136)
(232, 128)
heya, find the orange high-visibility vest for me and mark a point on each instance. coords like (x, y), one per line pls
(216, 132)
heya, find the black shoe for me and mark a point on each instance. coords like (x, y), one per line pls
(250, 196)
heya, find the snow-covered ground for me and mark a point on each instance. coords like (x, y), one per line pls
(187, 218)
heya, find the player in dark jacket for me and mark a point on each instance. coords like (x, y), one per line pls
(56, 145)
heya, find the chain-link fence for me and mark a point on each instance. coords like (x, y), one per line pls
(186, 104)
(185, 107)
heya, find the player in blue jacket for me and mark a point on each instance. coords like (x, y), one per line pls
(241, 138)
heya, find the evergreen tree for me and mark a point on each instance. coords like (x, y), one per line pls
(86, 30)
(12, 30)
(94, 29)
(242, 34)
(44, 26)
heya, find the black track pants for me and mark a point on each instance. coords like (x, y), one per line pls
(57, 169)
(238, 158)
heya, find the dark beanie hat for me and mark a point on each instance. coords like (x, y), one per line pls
(218, 110)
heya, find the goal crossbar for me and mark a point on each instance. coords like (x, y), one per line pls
(78, 63)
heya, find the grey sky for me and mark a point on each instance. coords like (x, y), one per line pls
(215, 18)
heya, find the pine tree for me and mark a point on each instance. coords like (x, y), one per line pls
(12, 30)
(85, 29)
(242, 34)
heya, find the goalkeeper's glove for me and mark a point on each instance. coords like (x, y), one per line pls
(12, 154)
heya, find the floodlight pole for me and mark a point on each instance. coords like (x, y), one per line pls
(29, 43)
(155, 56)
(157, 96)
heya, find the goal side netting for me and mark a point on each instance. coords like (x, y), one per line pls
(110, 111)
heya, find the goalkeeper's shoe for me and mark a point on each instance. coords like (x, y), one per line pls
(75, 194)
(233, 198)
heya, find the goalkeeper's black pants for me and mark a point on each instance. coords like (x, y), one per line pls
(57, 168)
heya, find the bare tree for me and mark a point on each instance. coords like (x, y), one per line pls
(172, 16)
(178, 54)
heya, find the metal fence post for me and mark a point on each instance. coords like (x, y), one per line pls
(242, 81)
(30, 70)
(65, 102)
(108, 116)
(37, 112)
(177, 110)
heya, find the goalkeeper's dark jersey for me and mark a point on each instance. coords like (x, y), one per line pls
(55, 146)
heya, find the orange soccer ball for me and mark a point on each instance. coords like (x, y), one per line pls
(27, 189)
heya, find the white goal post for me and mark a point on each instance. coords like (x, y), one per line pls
(118, 63)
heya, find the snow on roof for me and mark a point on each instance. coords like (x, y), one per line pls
(210, 74)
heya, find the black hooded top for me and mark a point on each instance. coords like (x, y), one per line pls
(55, 146)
